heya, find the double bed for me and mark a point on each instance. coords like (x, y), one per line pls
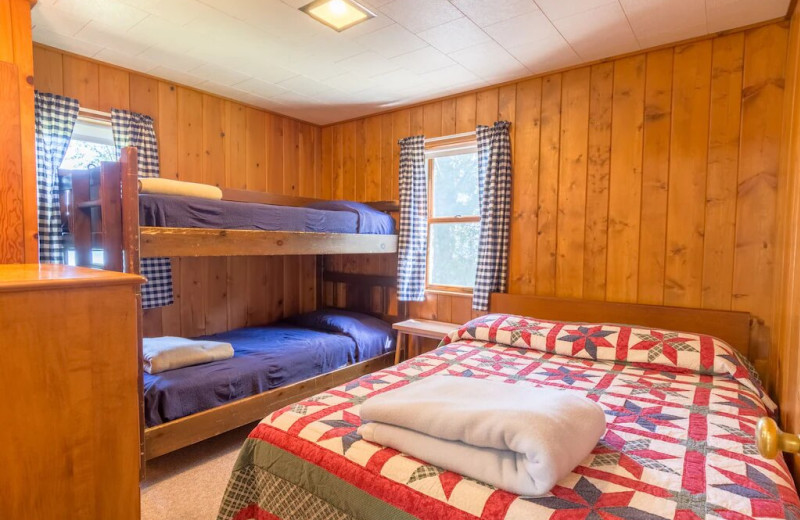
(680, 408)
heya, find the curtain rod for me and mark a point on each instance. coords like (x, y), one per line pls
(449, 137)
(96, 116)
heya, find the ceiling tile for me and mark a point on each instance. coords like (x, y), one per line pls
(350, 82)
(454, 36)
(545, 55)
(259, 88)
(728, 14)
(555, 9)
(127, 61)
(95, 31)
(526, 28)
(487, 12)
(391, 41)
(489, 60)
(219, 75)
(112, 12)
(170, 60)
(424, 60)
(57, 21)
(598, 33)
(59, 41)
(303, 85)
(184, 78)
(446, 77)
(418, 15)
(368, 63)
(655, 22)
(179, 12)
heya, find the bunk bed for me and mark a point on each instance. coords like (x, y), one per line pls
(274, 364)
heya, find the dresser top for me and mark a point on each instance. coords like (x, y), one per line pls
(26, 277)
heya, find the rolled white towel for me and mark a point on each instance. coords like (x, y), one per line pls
(169, 353)
(516, 437)
(158, 186)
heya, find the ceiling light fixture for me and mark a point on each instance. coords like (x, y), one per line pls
(338, 14)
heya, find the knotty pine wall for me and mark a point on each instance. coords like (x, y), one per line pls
(205, 138)
(785, 360)
(650, 178)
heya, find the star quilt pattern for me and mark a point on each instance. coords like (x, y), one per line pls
(680, 409)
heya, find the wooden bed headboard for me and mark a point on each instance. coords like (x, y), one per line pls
(730, 326)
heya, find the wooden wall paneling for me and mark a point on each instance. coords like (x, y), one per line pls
(194, 271)
(465, 113)
(143, 97)
(81, 80)
(167, 122)
(307, 175)
(571, 222)
(597, 179)
(113, 88)
(275, 154)
(486, 105)
(214, 164)
(48, 70)
(389, 148)
(360, 174)
(549, 162)
(625, 181)
(256, 150)
(687, 176)
(525, 188)
(655, 176)
(291, 158)
(763, 84)
(6, 43)
(326, 179)
(337, 172)
(723, 166)
(349, 160)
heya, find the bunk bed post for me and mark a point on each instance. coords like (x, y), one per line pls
(81, 218)
(129, 245)
(109, 197)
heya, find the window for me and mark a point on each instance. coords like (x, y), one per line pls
(453, 216)
(92, 142)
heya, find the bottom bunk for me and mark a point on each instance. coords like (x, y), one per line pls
(271, 365)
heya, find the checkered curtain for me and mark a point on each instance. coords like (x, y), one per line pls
(55, 120)
(494, 178)
(132, 129)
(413, 220)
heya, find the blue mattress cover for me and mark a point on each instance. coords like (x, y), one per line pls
(193, 212)
(264, 358)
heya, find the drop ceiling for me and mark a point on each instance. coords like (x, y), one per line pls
(269, 54)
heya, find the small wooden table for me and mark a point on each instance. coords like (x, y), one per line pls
(409, 332)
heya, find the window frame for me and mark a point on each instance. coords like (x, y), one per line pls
(461, 144)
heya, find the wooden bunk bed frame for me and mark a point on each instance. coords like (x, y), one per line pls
(103, 213)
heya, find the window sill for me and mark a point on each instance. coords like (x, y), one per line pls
(449, 293)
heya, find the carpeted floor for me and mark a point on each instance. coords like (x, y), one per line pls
(188, 484)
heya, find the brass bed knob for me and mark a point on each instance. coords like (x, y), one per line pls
(771, 440)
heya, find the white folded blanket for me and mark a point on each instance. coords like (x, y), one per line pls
(169, 353)
(516, 437)
(158, 186)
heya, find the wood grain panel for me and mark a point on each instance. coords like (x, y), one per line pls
(549, 162)
(208, 139)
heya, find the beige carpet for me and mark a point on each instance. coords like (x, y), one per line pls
(188, 484)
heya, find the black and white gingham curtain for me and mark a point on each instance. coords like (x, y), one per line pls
(132, 129)
(413, 238)
(494, 178)
(55, 120)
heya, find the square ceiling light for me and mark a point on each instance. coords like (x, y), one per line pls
(338, 14)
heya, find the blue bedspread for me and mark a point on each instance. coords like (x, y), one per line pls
(264, 358)
(193, 212)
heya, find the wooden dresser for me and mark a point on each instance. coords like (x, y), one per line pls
(69, 434)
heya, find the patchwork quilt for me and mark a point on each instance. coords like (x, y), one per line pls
(681, 410)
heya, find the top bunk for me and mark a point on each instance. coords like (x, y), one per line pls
(104, 209)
